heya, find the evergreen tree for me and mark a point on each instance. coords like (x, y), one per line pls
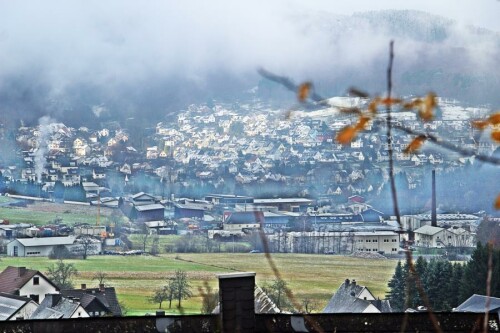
(396, 295)
(476, 271)
(411, 290)
(455, 283)
(420, 270)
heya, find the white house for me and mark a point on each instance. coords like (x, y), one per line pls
(36, 247)
(26, 282)
(16, 307)
(376, 241)
(429, 236)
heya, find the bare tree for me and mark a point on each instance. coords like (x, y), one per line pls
(61, 274)
(87, 244)
(182, 286)
(309, 305)
(159, 296)
(100, 276)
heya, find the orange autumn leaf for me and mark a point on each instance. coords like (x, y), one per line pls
(494, 119)
(497, 202)
(363, 120)
(495, 135)
(372, 107)
(426, 114)
(390, 101)
(346, 135)
(479, 124)
(430, 100)
(415, 144)
(304, 91)
(427, 109)
(413, 104)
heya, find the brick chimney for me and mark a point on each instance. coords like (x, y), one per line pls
(101, 287)
(21, 271)
(84, 286)
(237, 306)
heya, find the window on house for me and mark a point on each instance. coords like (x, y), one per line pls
(36, 281)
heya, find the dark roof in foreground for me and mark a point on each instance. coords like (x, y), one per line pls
(107, 296)
(55, 306)
(10, 304)
(13, 278)
(477, 303)
(346, 300)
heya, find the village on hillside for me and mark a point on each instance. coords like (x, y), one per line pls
(220, 172)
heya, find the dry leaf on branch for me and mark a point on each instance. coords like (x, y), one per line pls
(415, 144)
(479, 124)
(494, 119)
(372, 107)
(362, 121)
(304, 91)
(390, 101)
(346, 135)
(413, 104)
(495, 135)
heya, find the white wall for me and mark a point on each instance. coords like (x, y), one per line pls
(26, 311)
(80, 313)
(44, 287)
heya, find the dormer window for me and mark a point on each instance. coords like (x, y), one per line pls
(36, 281)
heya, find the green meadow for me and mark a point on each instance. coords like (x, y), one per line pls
(135, 277)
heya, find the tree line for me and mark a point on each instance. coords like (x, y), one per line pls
(444, 285)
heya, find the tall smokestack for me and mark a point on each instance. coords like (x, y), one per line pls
(434, 212)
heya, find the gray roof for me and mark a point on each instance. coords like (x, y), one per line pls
(477, 303)
(55, 306)
(45, 241)
(143, 208)
(428, 230)
(10, 304)
(346, 300)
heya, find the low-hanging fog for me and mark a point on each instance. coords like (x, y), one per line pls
(82, 61)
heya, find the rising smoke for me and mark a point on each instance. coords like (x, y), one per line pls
(46, 129)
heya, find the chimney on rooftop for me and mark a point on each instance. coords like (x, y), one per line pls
(84, 286)
(101, 287)
(21, 271)
(347, 282)
(353, 282)
(55, 298)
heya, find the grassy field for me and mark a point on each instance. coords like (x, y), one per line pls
(40, 213)
(135, 277)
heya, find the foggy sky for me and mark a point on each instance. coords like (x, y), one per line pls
(109, 43)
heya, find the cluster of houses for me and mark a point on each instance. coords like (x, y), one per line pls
(29, 294)
(224, 149)
(292, 225)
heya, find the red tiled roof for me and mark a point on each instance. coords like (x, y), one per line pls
(13, 278)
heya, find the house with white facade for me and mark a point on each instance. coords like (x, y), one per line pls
(26, 282)
(15, 307)
(37, 247)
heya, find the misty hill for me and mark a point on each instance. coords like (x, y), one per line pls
(432, 53)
